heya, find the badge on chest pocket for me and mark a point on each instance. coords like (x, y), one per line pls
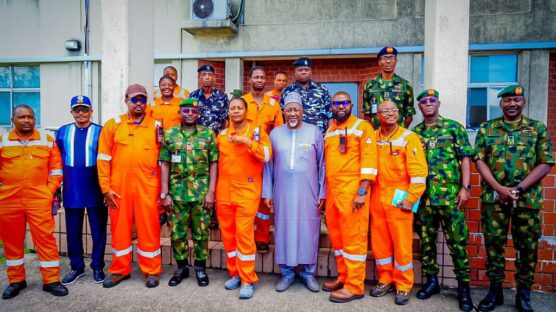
(176, 158)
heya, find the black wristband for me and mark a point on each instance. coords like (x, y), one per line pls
(520, 189)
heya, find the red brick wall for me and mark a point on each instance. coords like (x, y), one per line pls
(545, 273)
(358, 70)
(551, 120)
(220, 73)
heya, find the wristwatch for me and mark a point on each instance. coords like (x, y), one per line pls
(362, 192)
(520, 189)
(468, 187)
(163, 195)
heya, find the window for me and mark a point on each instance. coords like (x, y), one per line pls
(488, 74)
(19, 85)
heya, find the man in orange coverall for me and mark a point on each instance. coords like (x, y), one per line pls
(265, 112)
(243, 148)
(350, 154)
(280, 82)
(402, 169)
(129, 178)
(30, 173)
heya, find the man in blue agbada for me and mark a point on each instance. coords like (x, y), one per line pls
(293, 183)
(78, 143)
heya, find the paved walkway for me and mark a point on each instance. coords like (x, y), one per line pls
(131, 295)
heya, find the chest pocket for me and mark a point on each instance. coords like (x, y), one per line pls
(12, 152)
(121, 136)
(525, 145)
(41, 152)
(446, 144)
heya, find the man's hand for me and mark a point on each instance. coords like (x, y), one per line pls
(462, 198)
(507, 194)
(405, 205)
(269, 203)
(358, 202)
(322, 203)
(168, 204)
(110, 199)
(208, 203)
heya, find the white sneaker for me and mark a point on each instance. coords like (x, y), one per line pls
(246, 291)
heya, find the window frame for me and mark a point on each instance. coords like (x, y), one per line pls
(11, 89)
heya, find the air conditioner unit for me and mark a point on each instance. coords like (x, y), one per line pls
(210, 9)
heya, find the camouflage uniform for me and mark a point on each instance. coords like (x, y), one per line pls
(189, 155)
(317, 104)
(446, 143)
(214, 110)
(511, 151)
(399, 90)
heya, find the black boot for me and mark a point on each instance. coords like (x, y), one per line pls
(201, 273)
(430, 288)
(523, 300)
(464, 297)
(181, 273)
(495, 297)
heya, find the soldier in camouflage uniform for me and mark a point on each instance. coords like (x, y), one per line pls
(189, 165)
(317, 105)
(448, 154)
(513, 154)
(388, 85)
(213, 110)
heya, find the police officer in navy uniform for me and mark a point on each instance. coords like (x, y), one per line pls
(78, 144)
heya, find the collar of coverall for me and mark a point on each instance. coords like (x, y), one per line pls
(12, 135)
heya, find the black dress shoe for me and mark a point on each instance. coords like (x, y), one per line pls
(495, 297)
(98, 276)
(181, 273)
(114, 280)
(523, 300)
(13, 289)
(430, 288)
(201, 274)
(465, 302)
(56, 288)
(151, 280)
(73, 276)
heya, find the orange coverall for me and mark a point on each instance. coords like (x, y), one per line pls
(348, 229)
(128, 165)
(178, 92)
(238, 193)
(268, 115)
(401, 165)
(30, 173)
(167, 114)
(274, 94)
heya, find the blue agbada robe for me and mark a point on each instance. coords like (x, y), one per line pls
(294, 179)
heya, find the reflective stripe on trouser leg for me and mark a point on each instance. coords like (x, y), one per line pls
(226, 220)
(381, 241)
(335, 236)
(121, 227)
(148, 232)
(262, 224)
(41, 224)
(245, 240)
(12, 234)
(400, 226)
(354, 228)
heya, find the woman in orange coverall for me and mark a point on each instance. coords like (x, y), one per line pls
(166, 107)
(243, 148)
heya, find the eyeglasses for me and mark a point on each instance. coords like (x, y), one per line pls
(431, 100)
(341, 103)
(190, 110)
(388, 111)
(388, 58)
(140, 100)
(82, 109)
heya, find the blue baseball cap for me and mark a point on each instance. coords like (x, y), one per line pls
(80, 100)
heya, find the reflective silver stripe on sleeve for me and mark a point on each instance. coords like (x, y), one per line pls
(104, 157)
(263, 216)
(420, 180)
(369, 171)
(56, 172)
(266, 154)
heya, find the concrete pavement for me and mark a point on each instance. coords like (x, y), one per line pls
(132, 295)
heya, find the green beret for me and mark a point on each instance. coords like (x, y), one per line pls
(189, 103)
(237, 93)
(427, 92)
(511, 91)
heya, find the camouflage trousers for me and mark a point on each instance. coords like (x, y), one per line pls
(190, 215)
(526, 231)
(455, 232)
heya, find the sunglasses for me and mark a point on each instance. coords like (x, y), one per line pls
(77, 110)
(190, 110)
(387, 111)
(140, 100)
(341, 103)
(431, 100)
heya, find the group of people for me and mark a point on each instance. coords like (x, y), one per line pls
(296, 151)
